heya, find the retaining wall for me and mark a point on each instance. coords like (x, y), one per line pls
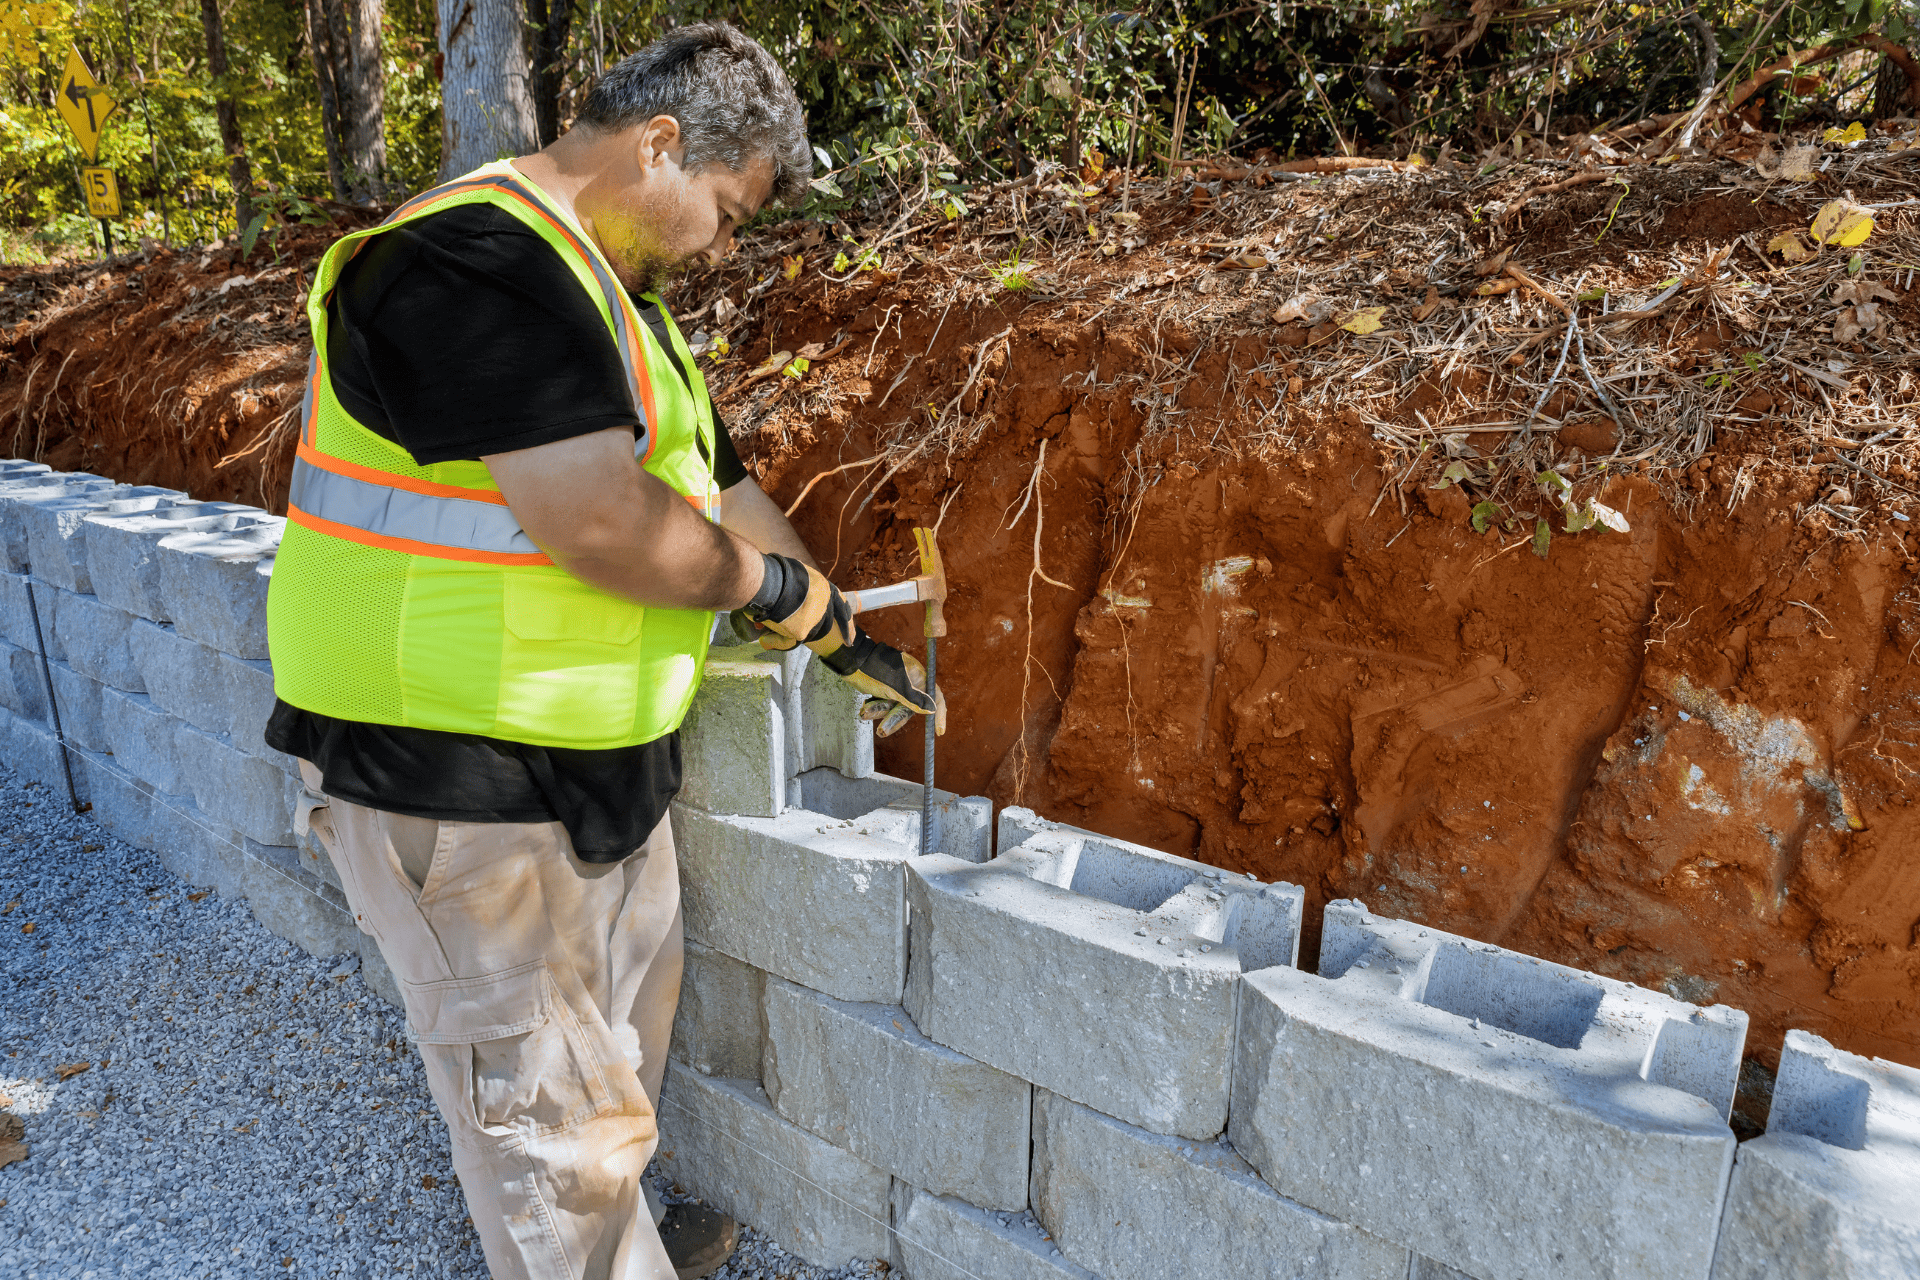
(1039, 1052)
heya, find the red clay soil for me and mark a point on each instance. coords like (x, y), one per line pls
(1193, 610)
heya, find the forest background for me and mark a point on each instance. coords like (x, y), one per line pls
(236, 117)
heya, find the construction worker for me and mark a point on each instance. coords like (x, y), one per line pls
(512, 519)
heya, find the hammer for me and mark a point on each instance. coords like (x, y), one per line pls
(930, 587)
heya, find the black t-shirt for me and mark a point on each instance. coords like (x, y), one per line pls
(458, 335)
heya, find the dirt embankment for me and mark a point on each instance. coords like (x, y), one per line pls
(1218, 584)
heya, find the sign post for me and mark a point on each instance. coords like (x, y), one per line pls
(84, 105)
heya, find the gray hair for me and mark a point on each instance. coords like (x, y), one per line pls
(733, 102)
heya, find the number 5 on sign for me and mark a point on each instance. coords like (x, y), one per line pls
(103, 192)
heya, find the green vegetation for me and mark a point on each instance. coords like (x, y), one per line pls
(926, 98)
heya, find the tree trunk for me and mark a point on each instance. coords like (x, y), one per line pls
(551, 23)
(486, 102)
(364, 106)
(239, 172)
(320, 41)
(1893, 93)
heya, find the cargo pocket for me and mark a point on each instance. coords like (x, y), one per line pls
(513, 1056)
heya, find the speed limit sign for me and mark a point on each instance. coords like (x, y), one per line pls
(103, 192)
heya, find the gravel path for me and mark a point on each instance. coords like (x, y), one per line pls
(203, 1099)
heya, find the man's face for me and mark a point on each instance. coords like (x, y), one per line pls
(657, 218)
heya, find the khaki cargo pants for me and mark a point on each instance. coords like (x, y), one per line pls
(541, 991)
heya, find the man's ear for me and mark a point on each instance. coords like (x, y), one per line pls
(659, 139)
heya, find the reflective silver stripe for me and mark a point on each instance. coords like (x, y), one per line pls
(397, 513)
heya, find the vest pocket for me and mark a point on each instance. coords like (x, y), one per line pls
(557, 608)
(519, 1062)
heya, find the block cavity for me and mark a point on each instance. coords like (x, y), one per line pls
(1832, 1189)
(1583, 1119)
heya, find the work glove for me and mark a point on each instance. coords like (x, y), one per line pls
(797, 605)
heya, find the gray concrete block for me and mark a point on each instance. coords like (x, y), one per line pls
(1132, 1010)
(745, 881)
(20, 493)
(1133, 1205)
(722, 1141)
(241, 791)
(733, 742)
(94, 637)
(864, 1078)
(250, 702)
(32, 752)
(317, 862)
(21, 468)
(122, 549)
(1423, 1268)
(16, 616)
(57, 531)
(121, 803)
(940, 1238)
(23, 686)
(213, 583)
(78, 700)
(831, 733)
(196, 846)
(293, 906)
(140, 735)
(1424, 1071)
(1832, 1189)
(720, 1025)
(183, 677)
(962, 825)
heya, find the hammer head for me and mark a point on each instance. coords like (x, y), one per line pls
(932, 582)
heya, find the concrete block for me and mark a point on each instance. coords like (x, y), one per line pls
(121, 548)
(722, 1141)
(183, 677)
(832, 734)
(864, 1078)
(20, 468)
(213, 583)
(720, 1026)
(962, 825)
(93, 636)
(1583, 1119)
(241, 791)
(1424, 1268)
(19, 493)
(317, 862)
(16, 616)
(745, 881)
(292, 905)
(1132, 1009)
(57, 531)
(940, 1238)
(1832, 1189)
(250, 704)
(196, 846)
(32, 752)
(78, 699)
(23, 686)
(140, 735)
(121, 802)
(733, 742)
(1133, 1205)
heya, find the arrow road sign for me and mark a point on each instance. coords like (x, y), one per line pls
(82, 103)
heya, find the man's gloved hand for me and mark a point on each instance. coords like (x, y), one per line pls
(800, 606)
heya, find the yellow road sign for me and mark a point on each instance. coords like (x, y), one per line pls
(103, 192)
(82, 103)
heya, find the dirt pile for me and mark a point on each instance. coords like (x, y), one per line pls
(1277, 511)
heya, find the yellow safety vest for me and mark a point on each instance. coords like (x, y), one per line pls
(409, 595)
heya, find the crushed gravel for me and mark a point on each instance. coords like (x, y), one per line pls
(203, 1099)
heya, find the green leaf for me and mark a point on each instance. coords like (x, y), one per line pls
(841, 262)
(1591, 295)
(1455, 473)
(1542, 539)
(1601, 514)
(1578, 518)
(251, 234)
(1483, 514)
(1553, 482)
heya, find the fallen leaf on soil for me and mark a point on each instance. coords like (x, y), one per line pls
(12, 1130)
(812, 236)
(1790, 246)
(1494, 263)
(790, 267)
(195, 897)
(1864, 291)
(1307, 309)
(27, 927)
(1246, 261)
(72, 1069)
(429, 1182)
(1797, 164)
(1842, 222)
(1855, 132)
(1428, 307)
(811, 351)
(8, 909)
(1864, 317)
(232, 282)
(1364, 321)
(772, 364)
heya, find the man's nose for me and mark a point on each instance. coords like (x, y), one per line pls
(718, 250)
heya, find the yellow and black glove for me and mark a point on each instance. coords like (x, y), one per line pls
(798, 605)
